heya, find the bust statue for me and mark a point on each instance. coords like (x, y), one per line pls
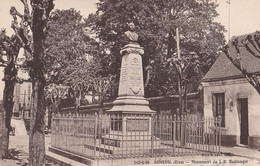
(131, 35)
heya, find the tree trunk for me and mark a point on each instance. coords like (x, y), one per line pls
(6, 113)
(101, 102)
(37, 70)
(100, 115)
(3, 136)
(180, 112)
(37, 139)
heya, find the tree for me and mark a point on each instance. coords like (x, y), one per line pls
(251, 43)
(67, 47)
(76, 67)
(9, 48)
(33, 46)
(40, 13)
(100, 86)
(186, 69)
(157, 21)
(54, 94)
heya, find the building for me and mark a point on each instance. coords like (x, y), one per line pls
(228, 94)
(22, 99)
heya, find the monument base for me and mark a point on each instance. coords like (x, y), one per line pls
(129, 143)
(131, 132)
(131, 105)
(130, 140)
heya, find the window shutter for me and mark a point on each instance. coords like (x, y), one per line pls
(214, 105)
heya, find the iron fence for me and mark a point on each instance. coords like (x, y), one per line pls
(131, 136)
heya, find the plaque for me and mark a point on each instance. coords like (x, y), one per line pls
(137, 125)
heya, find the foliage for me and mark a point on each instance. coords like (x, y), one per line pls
(157, 21)
(72, 55)
(67, 48)
(66, 55)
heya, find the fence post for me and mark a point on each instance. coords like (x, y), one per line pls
(173, 133)
(152, 137)
(203, 132)
(183, 124)
(219, 127)
(95, 134)
(53, 131)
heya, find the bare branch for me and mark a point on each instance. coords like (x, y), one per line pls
(251, 78)
(8, 50)
(27, 17)
(253, 42)
(10, 45)
(22, 31)
(15, 13)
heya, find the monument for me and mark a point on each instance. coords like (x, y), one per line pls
(131, 87)
(134, 125)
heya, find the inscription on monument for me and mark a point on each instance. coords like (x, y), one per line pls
(137, 125)
(135, 76)
(123, 76)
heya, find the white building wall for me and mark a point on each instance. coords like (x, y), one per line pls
(22, 95)
(233, 90)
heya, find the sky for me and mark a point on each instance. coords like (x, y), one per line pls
(244, 16)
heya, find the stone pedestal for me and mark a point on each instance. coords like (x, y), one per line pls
(133, 136)
(131, 87)
(134, 130)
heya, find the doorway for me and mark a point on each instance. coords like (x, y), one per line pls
(243, 118)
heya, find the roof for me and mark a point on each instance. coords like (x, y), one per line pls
(224, 69)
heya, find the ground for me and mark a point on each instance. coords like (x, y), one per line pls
(231, 156)
(19, 150)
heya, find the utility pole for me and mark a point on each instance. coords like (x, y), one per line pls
(180, 73)
(178, 43)
(182, 134)
(229, 3)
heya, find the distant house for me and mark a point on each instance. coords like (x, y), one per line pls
(227, 94)
(22, 99)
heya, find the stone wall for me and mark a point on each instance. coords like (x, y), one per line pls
(160, 104)
(169, 103)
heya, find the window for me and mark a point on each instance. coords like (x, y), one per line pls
(218, 106)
